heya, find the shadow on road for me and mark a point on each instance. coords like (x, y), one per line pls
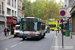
(32, 39)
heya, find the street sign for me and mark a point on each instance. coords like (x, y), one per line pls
(62, 8)
(62, 17)
(62, 13)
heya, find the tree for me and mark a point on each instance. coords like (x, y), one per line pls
(28, 8)
(44, 9)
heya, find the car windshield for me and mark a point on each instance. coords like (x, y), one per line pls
(17, 27)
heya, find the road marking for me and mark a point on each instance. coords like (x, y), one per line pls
(6, 49)
(13, 45)
(20, 43)
(56, 43)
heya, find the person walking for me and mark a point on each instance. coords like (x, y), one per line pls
(8, 31)
(5, 31)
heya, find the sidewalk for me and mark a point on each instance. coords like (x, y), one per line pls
(69, 44)
(2, 37)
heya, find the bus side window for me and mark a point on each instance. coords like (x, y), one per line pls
(43, 27)
(39, 26)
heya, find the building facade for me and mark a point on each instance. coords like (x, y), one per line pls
(11, 14)
(11, 8)
(2, 17)
(72, 12)
(20, 9)
(10, 11)
(68, 4)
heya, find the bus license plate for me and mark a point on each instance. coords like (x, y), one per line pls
(28, 37)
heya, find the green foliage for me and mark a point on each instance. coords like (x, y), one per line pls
(28, 8)
(42, 9)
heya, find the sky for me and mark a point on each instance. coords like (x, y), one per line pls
(56, 0)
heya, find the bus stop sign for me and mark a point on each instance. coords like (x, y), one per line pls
(62, 13)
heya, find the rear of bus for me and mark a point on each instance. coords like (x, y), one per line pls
(52, 25)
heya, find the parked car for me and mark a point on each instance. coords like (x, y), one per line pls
(17, 31)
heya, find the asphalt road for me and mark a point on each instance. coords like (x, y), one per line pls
(30, 44)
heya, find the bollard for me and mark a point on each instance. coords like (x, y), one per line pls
(56, 32)
(71, 35)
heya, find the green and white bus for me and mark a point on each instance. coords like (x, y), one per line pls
(31, 27)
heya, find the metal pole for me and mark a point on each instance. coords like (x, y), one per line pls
(62, 34)
(56, 32)
(58, 26)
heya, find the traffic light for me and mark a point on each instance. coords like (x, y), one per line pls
(61, 20)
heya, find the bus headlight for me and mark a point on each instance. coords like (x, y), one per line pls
(21, 32)
(37, 33)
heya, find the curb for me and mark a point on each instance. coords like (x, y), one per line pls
(7, 38)
(53, 44)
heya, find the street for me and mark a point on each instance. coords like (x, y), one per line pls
(29, 44)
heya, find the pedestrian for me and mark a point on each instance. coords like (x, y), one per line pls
(5, 31)
(48, 29)
(8, 31)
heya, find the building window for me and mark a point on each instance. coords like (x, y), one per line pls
(2, 5)
(8, 2)
(1, 26)
(12, 12)
(0, 8)
(65, 0)
(12, 3)
(15, 13)
(15, 3)
(8, 11)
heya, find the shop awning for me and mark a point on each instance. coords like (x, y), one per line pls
(10, 20)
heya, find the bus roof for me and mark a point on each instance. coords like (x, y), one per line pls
(32, 19)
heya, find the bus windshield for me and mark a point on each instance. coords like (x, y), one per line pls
(29, 26)
(52, 25)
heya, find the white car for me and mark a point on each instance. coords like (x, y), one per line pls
(17, 31)
(47, 28)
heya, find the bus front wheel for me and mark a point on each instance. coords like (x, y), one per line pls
(23, 38)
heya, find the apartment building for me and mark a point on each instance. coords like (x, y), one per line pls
(72, 12)
(11, 14)
(20, 9)
(2, 17)
(11, 7)
(10, 11)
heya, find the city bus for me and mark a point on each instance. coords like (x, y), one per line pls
(54, 24)
(31, 27)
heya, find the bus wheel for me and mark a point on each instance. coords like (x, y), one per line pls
(14, 36)
(23, 38)
(43, 35)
